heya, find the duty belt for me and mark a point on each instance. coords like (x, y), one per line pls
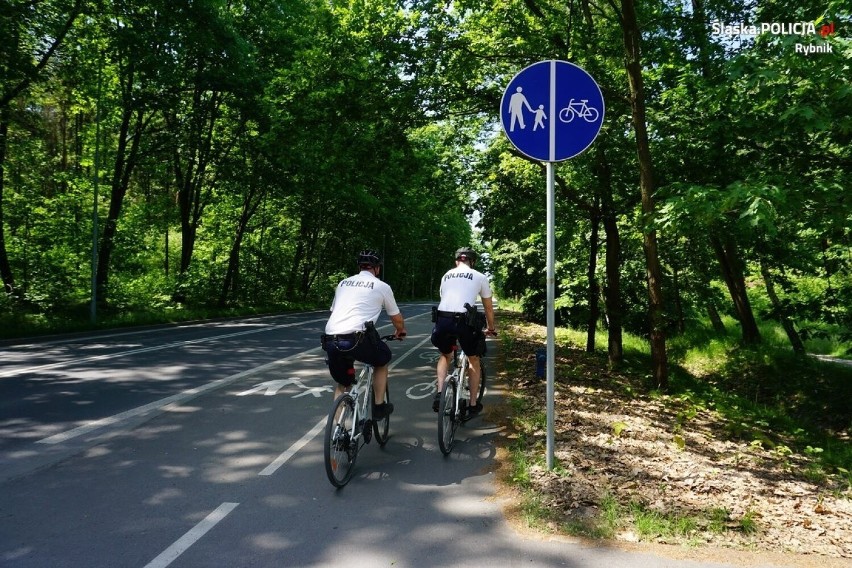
(342, 336)
(442, 314)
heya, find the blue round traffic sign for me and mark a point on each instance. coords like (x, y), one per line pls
(552, 110)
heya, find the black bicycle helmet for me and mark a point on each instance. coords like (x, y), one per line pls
(369, 257)
(468, 254)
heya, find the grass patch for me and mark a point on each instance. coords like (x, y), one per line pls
(601, 526)
(747, 524)
(650, 524)
(611, 517)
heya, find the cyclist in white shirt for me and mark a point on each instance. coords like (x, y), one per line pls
(459, 286)
(357, 300)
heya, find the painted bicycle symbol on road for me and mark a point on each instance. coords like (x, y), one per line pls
(424, 390)
(581, 109)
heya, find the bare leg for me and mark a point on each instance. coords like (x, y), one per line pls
(473, 378)
(380, 384)
(339, 390)
(441, 369)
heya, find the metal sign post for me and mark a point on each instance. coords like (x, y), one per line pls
(552, 111)
(551, 300)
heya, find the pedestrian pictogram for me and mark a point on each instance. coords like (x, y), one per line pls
(552, 110)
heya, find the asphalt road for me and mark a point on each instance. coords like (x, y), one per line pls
(201, 445)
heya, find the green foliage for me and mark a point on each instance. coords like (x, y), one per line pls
(274, 141)
(269, 141)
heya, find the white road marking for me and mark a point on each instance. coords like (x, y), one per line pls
(402, 357)
(271, 388)
(291, 451)
(179, 398)
(320, 426)
(150, 330)
(13, 372)
(180, 546)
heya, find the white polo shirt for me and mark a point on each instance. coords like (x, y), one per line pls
(359, 299)
(461, 285)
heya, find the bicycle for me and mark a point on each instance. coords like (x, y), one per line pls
(351, 425)
(581, 109)
(455, 394)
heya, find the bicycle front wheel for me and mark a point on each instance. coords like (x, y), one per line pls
(340, 449)
(381, 427)
(447, 421)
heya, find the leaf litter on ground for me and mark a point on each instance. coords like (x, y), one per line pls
(658, 456)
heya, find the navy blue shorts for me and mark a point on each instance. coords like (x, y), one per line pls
(449, 329)
(342, 354)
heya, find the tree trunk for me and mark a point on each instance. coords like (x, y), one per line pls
(594, 291)
(166, 253)
(125, 161)
(731, 264)
(715, 319)
(298, 258)
(311, 265)
(681, 319)
(188, 225)
(230, 284)
(780, 310)
(612, 289)
(630, 28)
(192, 155)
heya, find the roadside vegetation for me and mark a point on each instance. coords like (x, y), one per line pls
(749, 448)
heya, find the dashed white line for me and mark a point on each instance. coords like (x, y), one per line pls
(291, 451)
(162, 403)
(183, 543)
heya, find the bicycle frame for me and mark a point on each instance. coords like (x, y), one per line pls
(362, 393)
(460, 375)
(453, 402)
(350, 425)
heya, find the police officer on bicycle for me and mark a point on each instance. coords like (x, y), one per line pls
(454, 320)
(357, 300)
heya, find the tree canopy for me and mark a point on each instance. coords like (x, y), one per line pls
(241, 152)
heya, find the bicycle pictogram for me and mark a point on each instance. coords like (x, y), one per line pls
(581, 109)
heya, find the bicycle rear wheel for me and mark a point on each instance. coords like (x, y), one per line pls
(340, 449)
(447, 421)
(381, 427)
